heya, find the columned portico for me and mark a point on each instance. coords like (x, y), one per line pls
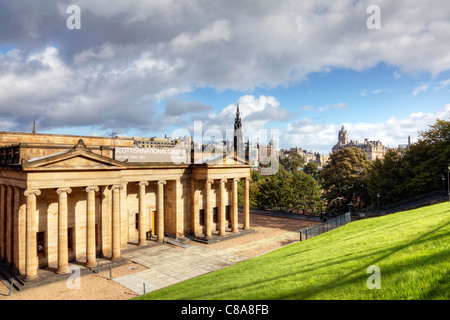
(52, 213)
(31, 248)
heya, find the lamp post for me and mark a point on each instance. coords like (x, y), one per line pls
(378, 201)
(448, 181)
(443, 183)
(321, 211)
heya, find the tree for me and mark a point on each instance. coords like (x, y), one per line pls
(388, 177)
(292, 162)
(428, 158)
(305, 192)
(344, 177)
(275, 191)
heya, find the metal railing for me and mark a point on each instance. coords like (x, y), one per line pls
(331, 224)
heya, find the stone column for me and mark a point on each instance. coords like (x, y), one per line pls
(116, 221)
(160, 211)
(9, 206)
(16, 229)
(142, 216)
(234, 207)
(2, 222)
(194, 208)
(208, 209)
(31, 250)
(246, 203)
(63, 254)
(222, 208)
(91, 260)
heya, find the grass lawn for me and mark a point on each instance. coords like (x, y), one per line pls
(411, 249)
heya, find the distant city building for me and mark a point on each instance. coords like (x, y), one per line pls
(373, 149)
(308, 156)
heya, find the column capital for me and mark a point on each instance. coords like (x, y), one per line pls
(61, 190)
(117, 187)
(224, 180)
(29, 192)
(236, 179)
(161, 182)
(92, 188)
(143, 183)
(209, 181)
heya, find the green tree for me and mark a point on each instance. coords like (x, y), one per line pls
(305, 192)
(345, 177)
(428, 159)
(275, 191)
(292, 162)
(388, 177)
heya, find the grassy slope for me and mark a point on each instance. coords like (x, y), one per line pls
(411, 249)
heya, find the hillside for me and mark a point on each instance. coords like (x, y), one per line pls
(410, 248)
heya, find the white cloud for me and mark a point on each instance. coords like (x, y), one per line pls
(340, 105)
(421, 88)
(397, 75)
(394, 131)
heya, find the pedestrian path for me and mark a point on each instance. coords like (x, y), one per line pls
(169, 265)
(255, 244)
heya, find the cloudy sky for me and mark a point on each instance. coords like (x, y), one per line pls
(299, 69)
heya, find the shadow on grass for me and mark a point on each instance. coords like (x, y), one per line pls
(257, 287)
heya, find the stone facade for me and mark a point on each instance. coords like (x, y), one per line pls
(78, 203)
(373, 149)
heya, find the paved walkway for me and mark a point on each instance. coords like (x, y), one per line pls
(255, 244)
(169, 265)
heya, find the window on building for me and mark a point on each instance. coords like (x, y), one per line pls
(70, 239)
(227, 213)
(137, 221)
(202, 217)
(40, 242)
(215, 215)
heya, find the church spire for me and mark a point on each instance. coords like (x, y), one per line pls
(238, 135)
(34, 126)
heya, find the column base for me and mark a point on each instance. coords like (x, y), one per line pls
(91, 264)
(160, 240)
(207, 237)
(115, 259)
(62, 271)
(142, 244)
(30, 278)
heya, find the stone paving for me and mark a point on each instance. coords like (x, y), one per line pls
(169, 265)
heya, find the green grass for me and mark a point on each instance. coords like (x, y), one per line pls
(411, 249)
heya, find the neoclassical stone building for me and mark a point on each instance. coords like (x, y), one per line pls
(373, 149)
(62, 201)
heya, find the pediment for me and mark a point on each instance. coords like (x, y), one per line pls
(78, 158)
(224, 160)
(80, 162)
